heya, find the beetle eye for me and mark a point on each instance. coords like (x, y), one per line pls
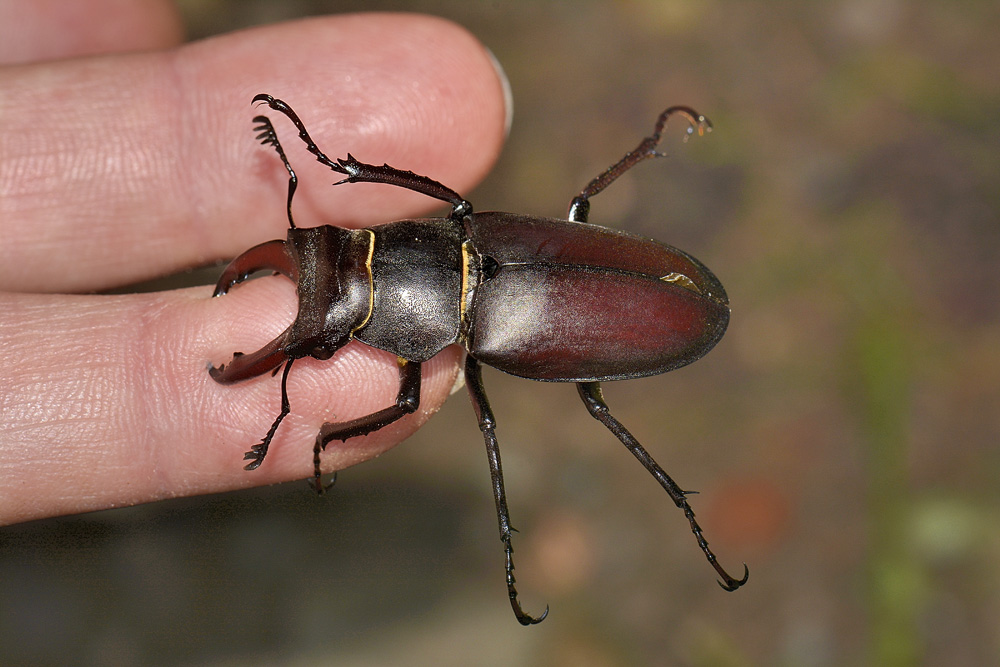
(321, 352)
(490, 267)
(681, 280)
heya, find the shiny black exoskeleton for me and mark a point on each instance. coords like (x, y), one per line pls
(545, 299)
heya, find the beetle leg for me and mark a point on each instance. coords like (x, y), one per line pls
(257, 453)
(407, 402)
(271, 255)
(590, 392)
(487, 423)
(359, 172)
(317, 479)
(580, 206)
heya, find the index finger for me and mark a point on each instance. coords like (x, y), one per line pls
(116, 169)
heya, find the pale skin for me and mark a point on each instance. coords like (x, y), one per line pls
(131, 157)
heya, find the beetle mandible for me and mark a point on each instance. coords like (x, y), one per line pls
(535, 297)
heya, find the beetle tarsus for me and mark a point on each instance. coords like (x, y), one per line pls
(316, 481)
(732, 584)
(592, 397)
(255, 456)
(522, 616)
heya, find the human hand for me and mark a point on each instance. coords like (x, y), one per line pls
(126, 166)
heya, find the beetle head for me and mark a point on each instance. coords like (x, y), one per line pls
(334, 288)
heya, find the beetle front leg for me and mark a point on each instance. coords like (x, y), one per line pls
(407, 402)
(257, 453)
(487, 423)
(357, 172)
(590, 392)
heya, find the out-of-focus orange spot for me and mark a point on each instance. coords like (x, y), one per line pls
(562, 552)
(746, 512)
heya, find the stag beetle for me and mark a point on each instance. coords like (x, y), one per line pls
(535, 297)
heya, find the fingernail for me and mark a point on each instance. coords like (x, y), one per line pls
(508, 96)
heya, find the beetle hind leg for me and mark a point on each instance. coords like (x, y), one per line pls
(590, 392)
(487, 424)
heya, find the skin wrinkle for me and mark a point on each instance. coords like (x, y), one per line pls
(100, 389)
(70, 398)
(179, 96)
(144, 171)
(52, 29)
(144, 356)
(98, 164)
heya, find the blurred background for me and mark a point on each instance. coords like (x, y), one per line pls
(843, 435)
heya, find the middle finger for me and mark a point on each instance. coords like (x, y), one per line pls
(127, 167)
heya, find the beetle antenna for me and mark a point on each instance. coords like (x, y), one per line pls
(267, 136)
(580, 206)
(590, 392)
(257, 453)
(697, 123)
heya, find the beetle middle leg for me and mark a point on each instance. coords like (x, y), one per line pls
(579, 208)
(590, 392)
(487, 423)
(407, 402)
